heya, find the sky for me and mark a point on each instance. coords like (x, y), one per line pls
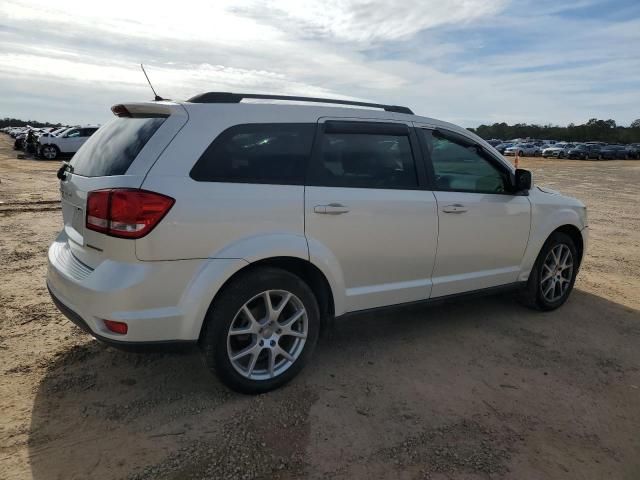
(464, 61)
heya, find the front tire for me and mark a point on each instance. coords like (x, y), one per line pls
(50, 152)
(261, 330)
(553, 274)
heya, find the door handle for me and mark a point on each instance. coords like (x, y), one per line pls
(455, 208)
(331, 209)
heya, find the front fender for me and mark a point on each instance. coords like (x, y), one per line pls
(545, 220)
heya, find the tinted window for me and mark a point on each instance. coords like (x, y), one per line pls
(274, 153)
(87, 132)
(112, 149)
(462, 167)
(365, 161)
(73, 133)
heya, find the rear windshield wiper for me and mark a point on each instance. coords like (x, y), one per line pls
(62, 171)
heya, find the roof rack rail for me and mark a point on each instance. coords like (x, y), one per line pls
(227, 97)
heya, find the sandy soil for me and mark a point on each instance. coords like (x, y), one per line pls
(477, 389)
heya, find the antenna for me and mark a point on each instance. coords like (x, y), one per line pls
(157, 98)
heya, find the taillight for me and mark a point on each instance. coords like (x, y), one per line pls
(116, 327)
(125, 212)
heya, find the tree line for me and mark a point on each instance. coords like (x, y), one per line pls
(594, 130)
(16, 122)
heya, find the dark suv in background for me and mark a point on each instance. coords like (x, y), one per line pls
(580, 152)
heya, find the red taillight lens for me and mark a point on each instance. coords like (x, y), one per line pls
(98, 210)
(125, 212)
(116, 327)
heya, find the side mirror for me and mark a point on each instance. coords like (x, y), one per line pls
(523, 180)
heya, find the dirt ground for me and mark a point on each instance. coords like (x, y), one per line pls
(476, 389)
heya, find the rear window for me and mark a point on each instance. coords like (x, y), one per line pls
(275, 153)
(112, 149)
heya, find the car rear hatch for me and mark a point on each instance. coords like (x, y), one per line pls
(117, 156)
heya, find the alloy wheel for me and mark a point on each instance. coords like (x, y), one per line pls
(49, 153)
(557, 273)
(267, 335)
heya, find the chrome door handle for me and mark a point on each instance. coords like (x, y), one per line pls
(455, 208)
(331, 209)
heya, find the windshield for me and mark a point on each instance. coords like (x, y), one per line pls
(112, 149)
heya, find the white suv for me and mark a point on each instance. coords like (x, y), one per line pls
(67, 142)
(245, 226)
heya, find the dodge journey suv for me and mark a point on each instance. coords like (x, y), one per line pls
(244, 225)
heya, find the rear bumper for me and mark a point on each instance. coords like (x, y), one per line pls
(161, 302)
(124, 345)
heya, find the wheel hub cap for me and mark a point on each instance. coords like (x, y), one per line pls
(557, 273)
(267, 335)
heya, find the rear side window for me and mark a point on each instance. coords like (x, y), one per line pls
(275, 153)
(365, 160)
(112, 148)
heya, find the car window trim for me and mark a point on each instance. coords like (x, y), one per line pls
(499, 165)
(364, 127)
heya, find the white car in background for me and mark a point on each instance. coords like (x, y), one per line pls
(66, 143)
(559, 150)
(523, 150)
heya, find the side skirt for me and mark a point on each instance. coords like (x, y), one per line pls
(483, 292)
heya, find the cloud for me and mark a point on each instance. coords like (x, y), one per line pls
(467, 61)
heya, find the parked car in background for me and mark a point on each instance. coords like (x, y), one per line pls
(68, 143)
(613, 152)
(579, 151)
(52, 133)
(523, 149)
(494, 141)
(594, 151)
(46, 139)
(559, 150)
(502, 147)
(633, 151)
(242, 227)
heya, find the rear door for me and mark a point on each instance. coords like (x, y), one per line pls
(367, 211)
(106, 160)
(483, 227)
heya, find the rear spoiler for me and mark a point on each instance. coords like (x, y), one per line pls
(144, 109)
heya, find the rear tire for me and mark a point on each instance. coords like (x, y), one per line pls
(553, 274)
(246, 339)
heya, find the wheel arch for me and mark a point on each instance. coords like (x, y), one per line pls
(575, 234)
(547, 220)
(304, 269)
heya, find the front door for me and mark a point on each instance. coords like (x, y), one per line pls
(483, 226)
(367, 212)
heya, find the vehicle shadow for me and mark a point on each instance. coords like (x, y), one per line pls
(103, 413)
